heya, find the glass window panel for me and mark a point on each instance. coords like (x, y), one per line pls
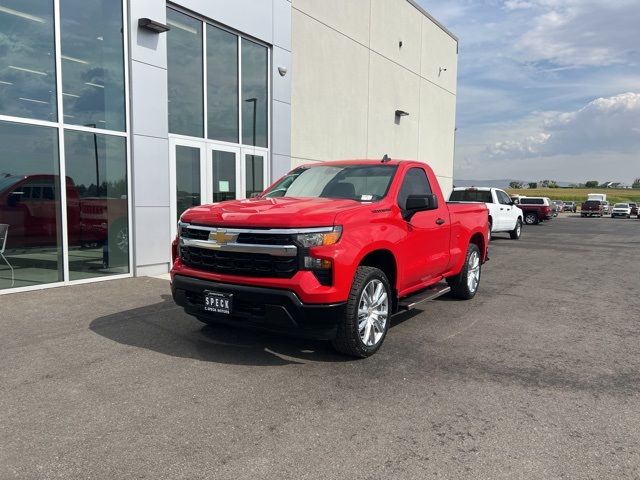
(254, 168)
(27, 59)
(254, 93)
(28, 167)
(93, 63)
(222, 85)
(97, 208)
(224, 176)
(187, 177)
(186, 87)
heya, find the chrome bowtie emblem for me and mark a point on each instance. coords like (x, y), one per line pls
(222, 237)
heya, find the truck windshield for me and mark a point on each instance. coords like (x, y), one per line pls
(621, 205)
(483, 196)
(363, 183)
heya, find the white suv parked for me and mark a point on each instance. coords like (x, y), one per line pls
(504, 215)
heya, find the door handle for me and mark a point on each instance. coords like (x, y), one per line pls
(440, 221)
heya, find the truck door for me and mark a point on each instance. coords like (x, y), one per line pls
(425, 250)
(507, 212)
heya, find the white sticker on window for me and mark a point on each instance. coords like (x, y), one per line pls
(366, 198)
(223, 186)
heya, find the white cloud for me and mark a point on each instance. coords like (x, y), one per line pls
(580, 32)
(603, 125)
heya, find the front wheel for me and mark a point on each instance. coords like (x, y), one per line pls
(366, 321)
(465, 284)
(531, 218)
(517, 231)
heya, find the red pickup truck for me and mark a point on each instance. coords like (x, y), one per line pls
(331, 251)
(29, 204)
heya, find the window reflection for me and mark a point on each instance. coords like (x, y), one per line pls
(184, 58)
(30, 205)
(187, 177)
(254, 94)
(92, 63)
(222, 85)
(224, 176)
(97, 208)
(255, 174)
(27, 59)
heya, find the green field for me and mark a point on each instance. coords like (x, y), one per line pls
(580, 194)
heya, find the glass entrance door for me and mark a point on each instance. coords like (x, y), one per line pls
(254, 167)
(223, 173)
(188, 174)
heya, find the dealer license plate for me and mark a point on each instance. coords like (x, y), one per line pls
(216, 302)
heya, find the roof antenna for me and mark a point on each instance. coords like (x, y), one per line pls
(386, 158)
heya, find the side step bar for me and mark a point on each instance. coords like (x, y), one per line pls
(425, 295)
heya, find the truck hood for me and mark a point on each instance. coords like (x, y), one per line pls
(283, 212)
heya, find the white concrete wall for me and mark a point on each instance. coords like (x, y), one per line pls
(350, 75)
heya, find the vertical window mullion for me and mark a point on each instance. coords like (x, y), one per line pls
(240, 157)
(205, 79)
(61, 153)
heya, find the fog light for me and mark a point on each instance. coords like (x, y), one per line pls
(311, 263)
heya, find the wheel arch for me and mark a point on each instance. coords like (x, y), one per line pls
(384, 260)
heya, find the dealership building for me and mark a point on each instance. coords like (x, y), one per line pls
(117, 115)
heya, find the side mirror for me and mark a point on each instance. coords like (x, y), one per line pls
(419, 203)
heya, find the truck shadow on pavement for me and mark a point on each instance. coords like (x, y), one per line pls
(163, 327)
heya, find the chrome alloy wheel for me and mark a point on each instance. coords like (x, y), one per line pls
(373, 313)
(473, 271)
(518, 228)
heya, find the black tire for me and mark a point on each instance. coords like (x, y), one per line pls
(531, 218)
(348, 340)
(517, 231)
(459, 284)
(489, 233)
(583, 215)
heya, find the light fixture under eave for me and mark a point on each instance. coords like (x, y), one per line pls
(401, 113)
(24, 15)
(282, 71)
(152, 25)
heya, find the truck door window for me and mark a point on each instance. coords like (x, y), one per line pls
(415, 183)
(503, 198)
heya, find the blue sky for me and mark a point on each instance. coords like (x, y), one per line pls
(547, 89)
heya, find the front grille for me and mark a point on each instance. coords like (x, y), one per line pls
(265, 239)
(236, 263)
(194, 233)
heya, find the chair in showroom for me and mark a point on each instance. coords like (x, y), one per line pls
(4, 233)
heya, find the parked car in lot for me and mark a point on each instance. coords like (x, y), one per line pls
(558, 207)
(592, 208)
(634, 208)
(606, 207)
(621, 210)
(535, 209)
(504, 214)
(569, 207)
(330, 251)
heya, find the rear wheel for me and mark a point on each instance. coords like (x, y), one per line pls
(531, 218)
(517, 231)
(366, 322)
(465, 284)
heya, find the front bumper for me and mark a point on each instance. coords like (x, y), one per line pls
(257, 307)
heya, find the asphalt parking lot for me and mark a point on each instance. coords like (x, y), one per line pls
(537, 377)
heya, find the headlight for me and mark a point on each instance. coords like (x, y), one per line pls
(320, 239)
